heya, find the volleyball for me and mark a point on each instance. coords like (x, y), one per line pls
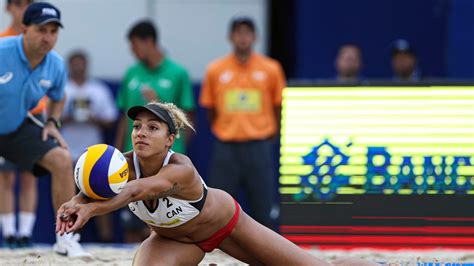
(101, 172)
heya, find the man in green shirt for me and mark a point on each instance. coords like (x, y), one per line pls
(154, 78)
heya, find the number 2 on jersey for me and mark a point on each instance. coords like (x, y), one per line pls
(168, 203)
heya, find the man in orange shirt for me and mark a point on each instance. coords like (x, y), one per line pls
(242, 93)
(28, 192)
(16, 8)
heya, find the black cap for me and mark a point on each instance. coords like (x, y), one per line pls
(241, 20)
(42, 13)
(161, 113)
(402, 46)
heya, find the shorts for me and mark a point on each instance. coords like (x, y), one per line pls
(25, 148)
(216, 239)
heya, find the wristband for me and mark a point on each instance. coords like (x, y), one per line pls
(55, 121)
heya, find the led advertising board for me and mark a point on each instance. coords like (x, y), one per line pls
(377, 156)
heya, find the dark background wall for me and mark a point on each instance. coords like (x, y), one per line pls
(306, 35)
(320, 27)
(460, 40)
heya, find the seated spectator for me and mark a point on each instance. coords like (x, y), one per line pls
(348, 63)
(404, 61)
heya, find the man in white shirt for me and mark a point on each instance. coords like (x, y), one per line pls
(89, 107)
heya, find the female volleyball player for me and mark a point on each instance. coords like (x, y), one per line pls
(187, 218)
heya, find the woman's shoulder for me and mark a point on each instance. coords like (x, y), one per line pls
(179, 158)
(188, 173)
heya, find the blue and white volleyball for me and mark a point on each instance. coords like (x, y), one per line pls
(101, 172)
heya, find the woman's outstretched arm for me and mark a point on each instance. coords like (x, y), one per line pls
(72, 215)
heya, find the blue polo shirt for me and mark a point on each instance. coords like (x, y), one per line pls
(22, 87)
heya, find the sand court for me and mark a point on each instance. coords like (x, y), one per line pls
(123, 255)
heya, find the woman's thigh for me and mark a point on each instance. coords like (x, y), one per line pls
(156, 250)
(258, 243)
(232, 248)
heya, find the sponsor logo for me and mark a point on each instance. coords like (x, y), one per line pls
(420, 175)
(175, 221)
(76, 175)
(124, 173)
(226, 76)
(6, 78)
(134, 84)
(45, 83)
(49, 12)
(165, 83)
(259, 75)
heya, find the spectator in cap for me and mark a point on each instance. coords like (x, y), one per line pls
(12, 237)
(42, 14)
(30, 69)
(404, 61)
(16, 8)
(348, 63)
(242, 93)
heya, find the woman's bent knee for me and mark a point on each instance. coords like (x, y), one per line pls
(160, 251)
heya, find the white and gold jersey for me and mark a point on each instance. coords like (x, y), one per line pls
(169, 212)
